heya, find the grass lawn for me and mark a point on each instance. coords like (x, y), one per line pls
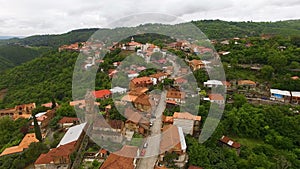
(251, 143)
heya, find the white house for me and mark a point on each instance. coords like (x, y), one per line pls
(118, 90)
(213, 83)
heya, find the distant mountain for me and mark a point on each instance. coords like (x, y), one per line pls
(7, 37)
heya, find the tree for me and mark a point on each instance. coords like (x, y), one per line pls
(267, 71)
(239, 100)
(37, 129)
(53, 103)
(277, 61)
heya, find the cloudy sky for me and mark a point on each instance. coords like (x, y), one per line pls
(29, 17)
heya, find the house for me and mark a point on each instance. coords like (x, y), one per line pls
(295, 77)
(24, 144)
(227, 84)
(280, 95)
(44, 119)
(110, 130)
(168, 69)
(188, 122)
(59, 157)
(68, 121)
(226, 141)
(158, 77)
(118, 90)
(81, 103)
(173, 141)
(132, 45)
(20, 111)
(212, 83)
(179, 81)
(216, 98)
(142, 103)
(48, 105)
(140, 82)
(136, 122)
(123, 159)
(102, 94)
(175, 95)
(196, 64)
(295, 97)
(247, 83)
(225, 42)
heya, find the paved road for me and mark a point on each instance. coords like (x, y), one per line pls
(153, 141)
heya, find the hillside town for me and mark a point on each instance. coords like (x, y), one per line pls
(149, 102)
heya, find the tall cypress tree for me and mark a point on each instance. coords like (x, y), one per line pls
(37, 129)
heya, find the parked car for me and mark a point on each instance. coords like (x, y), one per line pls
(145, 145)
(143, 152)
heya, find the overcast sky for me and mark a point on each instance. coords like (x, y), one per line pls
(29, 17)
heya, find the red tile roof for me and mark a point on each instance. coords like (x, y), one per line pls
(186, 115)
(61, 151)
(122, 159)
(102, 93)
(142, 80)
(194, 167)
(68, 120)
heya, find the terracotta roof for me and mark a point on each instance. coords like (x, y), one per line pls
(295, 77)
(143, 100)
(186, 115)
(168, 119)
(129, 98)
(229, 142)
(175, 94)
(101, 93)
(26, 141)
(226, 83)
(246, 82)
(196, 62)
(181, 80)
(142, 80)
(158, 75)
(68, 120)
(114, 161)
(49, 105)
(80, 102)
(215, 97)
(171, 102)
(170, 138)
(138, 91)
(128, 151)
(61, 151)
(134, 43)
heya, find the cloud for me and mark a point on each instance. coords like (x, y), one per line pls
(47, 17)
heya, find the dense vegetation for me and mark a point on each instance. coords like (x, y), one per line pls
(14, 55)
(268, 135)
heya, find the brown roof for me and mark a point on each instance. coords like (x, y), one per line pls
(122, 159)
(158, 75)
(138, 91)
(246, 82)
(196, 62)
(128, 151)
(229, 142)
(186, 115)
(170, 138)
(68, 120)
(175, 94)
(114, 161)
(143, 100)
(142, 80)
(61, 151)
(215, 97)
(26, 141)
(168, 119)
(116, 124)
